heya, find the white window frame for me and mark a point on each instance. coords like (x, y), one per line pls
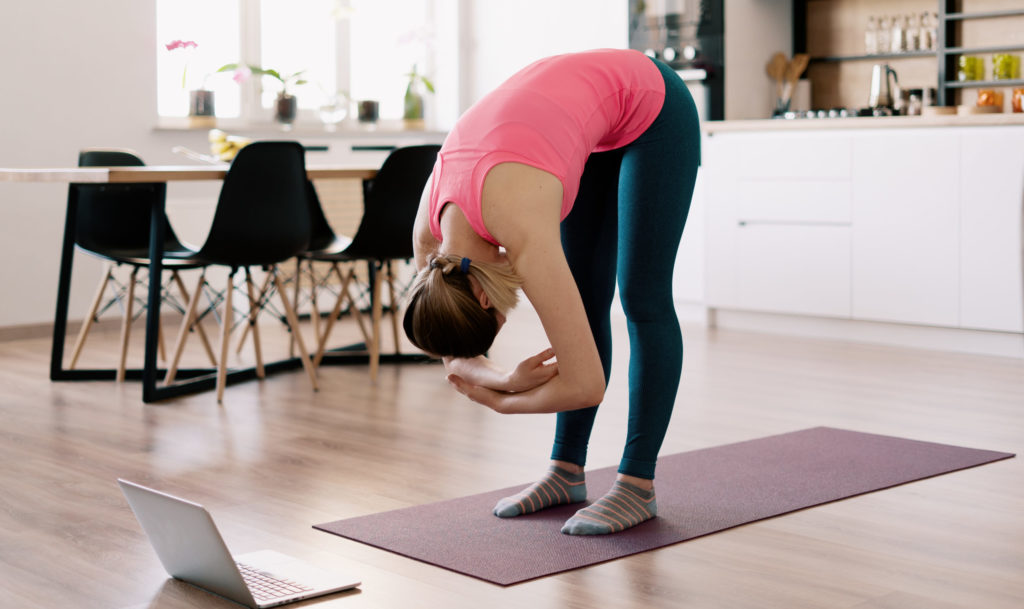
(446, 18)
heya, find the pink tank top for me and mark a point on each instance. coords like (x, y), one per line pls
(550, 115)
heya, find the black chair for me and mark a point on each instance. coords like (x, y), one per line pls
(113, 223)
(262, 219)
(390, 201)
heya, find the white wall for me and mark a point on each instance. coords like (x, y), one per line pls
(80, 74)
(754, 30)
(505, 36)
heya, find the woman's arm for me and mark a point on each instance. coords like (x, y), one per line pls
(423, 241)
(530, 373)
(522, 209)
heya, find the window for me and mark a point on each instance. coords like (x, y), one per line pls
(184, 67)
(365, 48)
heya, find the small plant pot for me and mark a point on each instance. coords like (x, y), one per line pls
(200, 103)
(285, 109)
(369, 111)
(201, 114)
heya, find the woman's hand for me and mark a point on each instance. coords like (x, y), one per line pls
(550, 396)
(532, 372)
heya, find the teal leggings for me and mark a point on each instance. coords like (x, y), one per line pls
(626, 224)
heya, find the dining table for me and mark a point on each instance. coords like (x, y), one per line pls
(193, 380)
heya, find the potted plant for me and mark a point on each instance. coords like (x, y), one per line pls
(201, 111)
(413, 116)
(286, 106)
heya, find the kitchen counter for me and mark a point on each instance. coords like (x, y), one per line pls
(867, 122)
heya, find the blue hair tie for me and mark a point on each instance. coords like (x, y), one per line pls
(464, 265)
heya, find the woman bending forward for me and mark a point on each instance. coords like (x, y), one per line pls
(574, 173)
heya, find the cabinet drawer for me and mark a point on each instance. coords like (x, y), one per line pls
(794, 269)
(813, 156)
(804, 201)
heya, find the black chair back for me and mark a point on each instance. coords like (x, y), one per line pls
(113, 219)
(390, 201)
(262, 216)
(321, 234)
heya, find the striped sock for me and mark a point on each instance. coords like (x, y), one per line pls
(624, 506)
(558, 486)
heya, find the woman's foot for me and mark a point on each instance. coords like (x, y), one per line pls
(557, 487)
(624, 506)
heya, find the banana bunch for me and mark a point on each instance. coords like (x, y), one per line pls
(224, 146)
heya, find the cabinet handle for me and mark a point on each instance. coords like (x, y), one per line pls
(790, 223)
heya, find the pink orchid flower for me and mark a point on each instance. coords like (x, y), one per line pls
(181, 44)
(242, 74)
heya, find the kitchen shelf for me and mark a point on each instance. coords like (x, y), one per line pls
(978, 84)
(974, 50)
(948, 43)
(875, 56)
(984, 15)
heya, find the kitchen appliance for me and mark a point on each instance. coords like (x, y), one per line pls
(882, 94)
(689, 36)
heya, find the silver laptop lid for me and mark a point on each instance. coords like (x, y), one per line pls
(187, 542)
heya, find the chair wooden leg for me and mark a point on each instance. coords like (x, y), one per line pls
(186, 326)
(87, 322)
(394, 307)
(343, 295)
(245, 329)
(254, 312)
(376, 310)
(295, 301)
(293, 322)
(226, 320)
(160, 343)
(199, 326)
(126, 326)
(314, 310)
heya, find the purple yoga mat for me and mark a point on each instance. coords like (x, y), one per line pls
(699, 492)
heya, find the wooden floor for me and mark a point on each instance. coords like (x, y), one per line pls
(277, 458)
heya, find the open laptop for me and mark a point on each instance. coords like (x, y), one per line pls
(192, 550)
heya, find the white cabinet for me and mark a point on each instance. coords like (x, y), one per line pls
(916, 226)
(794, 268)
(991, 200)
(779, 223)
(906, 226)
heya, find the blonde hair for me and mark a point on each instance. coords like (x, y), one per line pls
(442, 315)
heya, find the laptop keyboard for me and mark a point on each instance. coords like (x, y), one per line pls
(265, 586)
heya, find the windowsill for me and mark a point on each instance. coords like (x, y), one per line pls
(348, 129)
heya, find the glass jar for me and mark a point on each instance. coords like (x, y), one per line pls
(915, 102)
(971, 68)
(1005, 66)
(990, 97)
(1018, 99)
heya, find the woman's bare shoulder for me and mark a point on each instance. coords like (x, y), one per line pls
(518, 200)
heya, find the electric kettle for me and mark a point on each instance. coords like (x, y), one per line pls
(881, 92)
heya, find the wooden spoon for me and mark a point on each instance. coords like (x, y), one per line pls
(776, 69)
(793, 71)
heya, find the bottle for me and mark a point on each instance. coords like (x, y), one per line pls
(871, 37)
(914, 34)
(934, 29)
(897, 40)
(884, 34)
(925, 41)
